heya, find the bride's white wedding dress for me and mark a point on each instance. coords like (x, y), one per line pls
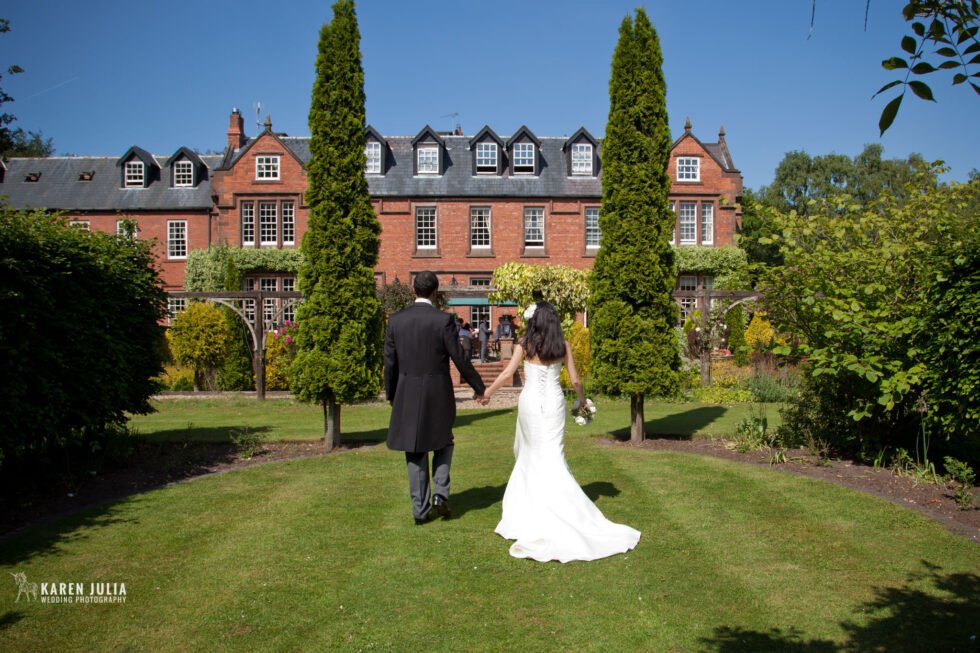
(544, 508)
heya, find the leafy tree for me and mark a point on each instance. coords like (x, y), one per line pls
(566, 288)
(943, 38)
(856, 293)
(80, 336)
(395, 296)
(17, 142)
(339, 356)
(735, 321)
(199, 337)
(236, 371)
(632, 313)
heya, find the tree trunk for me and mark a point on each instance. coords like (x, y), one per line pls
(331, 422)
(637, 434)
(706, 366)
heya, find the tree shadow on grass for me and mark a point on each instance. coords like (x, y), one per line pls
(215, 434)
(470, 418)
(677, 426)
(907, 618)
(9, 618)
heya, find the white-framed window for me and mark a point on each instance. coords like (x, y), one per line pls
(707, 223)
(486, 157)
(593, 237)
(673, 238)
(289, 311)
(582, 159)
(373, 153)
(288, 223)
(480, 227)
(247, 212)
(176, 239)
(268, 284)
(687, 282)
(135, 176)
(127, 229)
(688, 306)
(688, 168)
(268, 219)
(81, 225)
(425, 227)
(267, 167)
(175, 305)
(428, 160)
(534, 227)
(524, 157)
(183, 174)
(688, 219)
(479, 314)
(248, 305)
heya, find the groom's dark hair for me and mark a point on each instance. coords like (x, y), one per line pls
(425, 284)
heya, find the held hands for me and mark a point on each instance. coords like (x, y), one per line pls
(483, 399)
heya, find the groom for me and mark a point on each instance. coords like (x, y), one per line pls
(419, 342)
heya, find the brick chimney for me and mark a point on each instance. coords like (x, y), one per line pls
(236, 130)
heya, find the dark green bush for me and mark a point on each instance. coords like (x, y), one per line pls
(80, 334)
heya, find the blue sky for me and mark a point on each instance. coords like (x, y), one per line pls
(104, 75)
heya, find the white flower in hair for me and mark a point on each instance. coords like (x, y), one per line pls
(529, 311)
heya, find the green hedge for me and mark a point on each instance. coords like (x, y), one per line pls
(728, 265)
(207, 269)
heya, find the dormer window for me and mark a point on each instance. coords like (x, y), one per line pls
(135, 174)
(183, 174)
(688, 169)
(32, 177)
(486, 158)
(373, 153)
(582, 159)
(524, 158)
(428, 160)
(267, 168)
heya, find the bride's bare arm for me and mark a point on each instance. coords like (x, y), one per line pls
(508, 372)
(573, 373)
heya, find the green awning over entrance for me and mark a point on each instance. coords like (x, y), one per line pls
(474, 301)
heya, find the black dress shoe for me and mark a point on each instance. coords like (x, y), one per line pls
(424, 520)
(441, 505)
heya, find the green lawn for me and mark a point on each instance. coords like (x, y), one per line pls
(321, 554)
(283, 419)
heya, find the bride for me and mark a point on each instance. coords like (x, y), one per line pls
(544, 509)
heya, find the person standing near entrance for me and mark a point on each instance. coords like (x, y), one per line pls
(484, 339)
(419, 342)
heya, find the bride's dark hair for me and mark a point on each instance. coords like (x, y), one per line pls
(543, 338)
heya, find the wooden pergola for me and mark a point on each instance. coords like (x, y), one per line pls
(257, 325)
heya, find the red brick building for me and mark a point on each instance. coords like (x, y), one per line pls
(458, 205)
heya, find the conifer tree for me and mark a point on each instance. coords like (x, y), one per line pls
(339, 358)
(631, 312)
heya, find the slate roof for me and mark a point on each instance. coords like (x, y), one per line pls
(59, 186)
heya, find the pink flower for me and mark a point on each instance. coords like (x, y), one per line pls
(275, 334)
(289, 340)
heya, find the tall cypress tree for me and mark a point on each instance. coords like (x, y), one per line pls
(339, 358)
(631, 312)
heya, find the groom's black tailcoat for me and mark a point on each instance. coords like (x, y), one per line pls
(419, 342)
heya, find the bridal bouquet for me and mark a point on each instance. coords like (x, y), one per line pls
(583, 412)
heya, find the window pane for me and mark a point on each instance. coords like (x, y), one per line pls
(707, 223)
(480, 227)
(688, 169)
(593, 237)
(288, 223)
(183, 174)
(177, 238)
(134, 173)
(373, 153)
(582, 159)
(688, 221)
(486, 157)
(425, 228)
(267, 167)
(247, 212)
(533, 227)
(524, 157)
(267, 223)
(428, 158)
